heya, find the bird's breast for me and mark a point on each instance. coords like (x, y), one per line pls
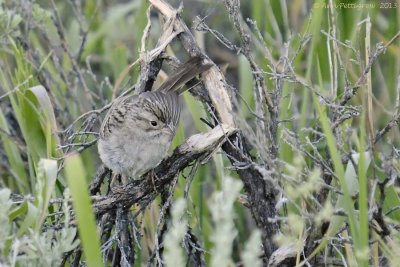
(133, 154)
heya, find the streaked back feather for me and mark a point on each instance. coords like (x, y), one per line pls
(164, 101)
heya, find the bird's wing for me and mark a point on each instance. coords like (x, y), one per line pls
(115, 117)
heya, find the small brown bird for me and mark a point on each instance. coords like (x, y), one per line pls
(138, 129)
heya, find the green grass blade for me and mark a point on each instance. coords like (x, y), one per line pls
(363, 197)
(338, 167)
(46, 180)
(43, 113)
(75, 173)
(315, 28)
(14, 158)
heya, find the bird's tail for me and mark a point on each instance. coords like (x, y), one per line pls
(183, 74)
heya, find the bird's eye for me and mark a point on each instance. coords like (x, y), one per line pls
(153, 123)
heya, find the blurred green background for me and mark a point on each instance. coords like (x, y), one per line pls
(76, 50)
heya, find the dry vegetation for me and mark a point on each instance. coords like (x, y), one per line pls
(288, 154)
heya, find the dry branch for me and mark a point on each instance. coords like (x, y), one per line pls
(261, 193)
(144, 191)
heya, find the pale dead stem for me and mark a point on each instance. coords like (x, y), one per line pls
(197, 146)
(214, 81)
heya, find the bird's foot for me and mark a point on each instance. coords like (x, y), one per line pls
(153, 176)
(118, 183)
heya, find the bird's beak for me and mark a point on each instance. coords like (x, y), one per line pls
(169, 129)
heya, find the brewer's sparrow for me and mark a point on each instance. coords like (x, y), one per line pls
(138, 129)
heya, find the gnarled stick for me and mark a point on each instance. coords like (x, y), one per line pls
(144, 191)
(261, 192)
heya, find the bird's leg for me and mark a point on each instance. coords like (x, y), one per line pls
(115, 184)
(124, 180)
(153, 176)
